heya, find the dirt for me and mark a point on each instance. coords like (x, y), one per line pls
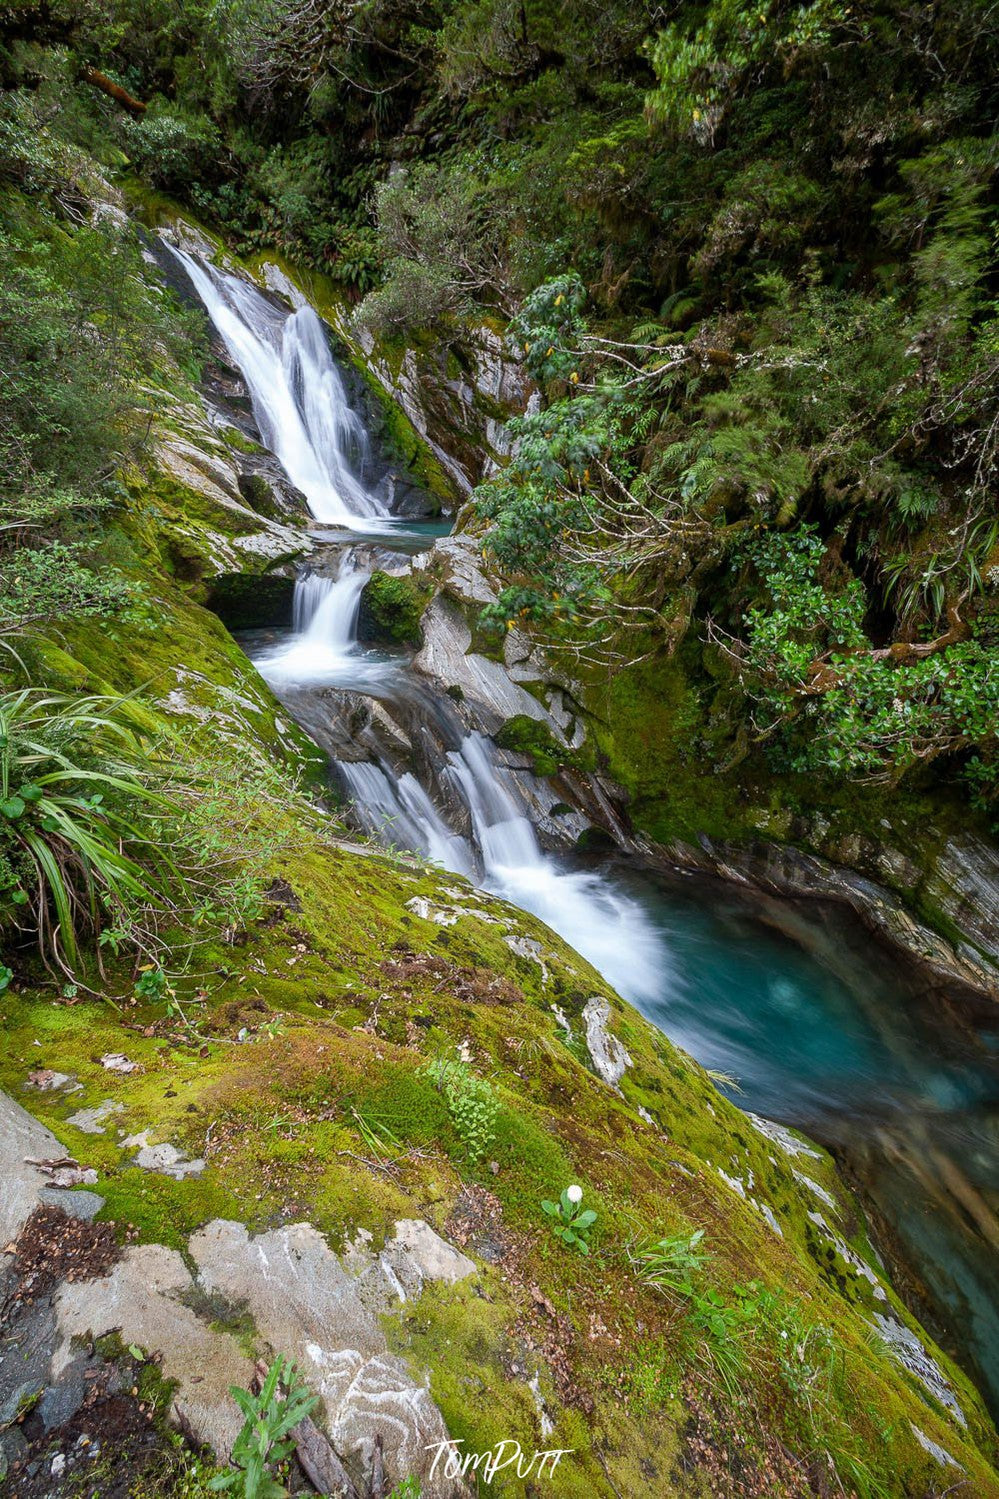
(111, 1442)
(54, 1247)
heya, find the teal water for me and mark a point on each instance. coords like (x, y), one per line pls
(816, 1025)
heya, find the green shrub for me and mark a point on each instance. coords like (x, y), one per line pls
(76, 819)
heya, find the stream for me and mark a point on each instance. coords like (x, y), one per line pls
(802, 1015)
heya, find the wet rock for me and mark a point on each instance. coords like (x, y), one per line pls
(304, 1303)
(417, 1254)
(965, 895)
(911, 1354)
(486, 687)
(941, 1454)
(24, 1141)
(610, 1058)
(164, 1158)
(47, 1081)
(784, 1138)
(143, 1299)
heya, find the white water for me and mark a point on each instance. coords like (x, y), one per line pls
(609, 928)
(323, 649)
(400, 813)
(299, 401)
(305, 418)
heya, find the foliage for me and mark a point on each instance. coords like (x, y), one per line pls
(438, 235)
(572, 1224)
(105, 849)
(671, 1263)
(264, 1440)
(472, 1102)
(808, 663)
(76, 817)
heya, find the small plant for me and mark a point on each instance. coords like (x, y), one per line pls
(151, 984)
(571, 1225)
(409, 1488)
(725, 1329)
(672, 1263)
(472, 1103)
(264, 1442)
(6, 974)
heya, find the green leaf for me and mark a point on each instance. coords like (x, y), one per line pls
(549, 1208)
(12, 808)
(585, 1219)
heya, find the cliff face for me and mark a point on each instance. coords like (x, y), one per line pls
(333, 1137)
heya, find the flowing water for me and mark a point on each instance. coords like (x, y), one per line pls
(811, 1021)
(298, 396)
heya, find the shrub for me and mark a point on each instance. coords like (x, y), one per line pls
(76, 813)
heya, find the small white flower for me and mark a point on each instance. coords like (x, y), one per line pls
(574, 1193)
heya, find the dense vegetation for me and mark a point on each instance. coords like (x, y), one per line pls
(748, 255)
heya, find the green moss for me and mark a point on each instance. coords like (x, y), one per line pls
(391, 609)
(239, 442)
(525, 735)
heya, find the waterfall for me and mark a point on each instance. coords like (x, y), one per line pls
(304, 416)
(399, 812)
(299, 401)
(323, 646)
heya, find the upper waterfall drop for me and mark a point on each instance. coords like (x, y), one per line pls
(298, 397)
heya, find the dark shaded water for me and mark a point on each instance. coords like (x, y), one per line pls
(819, 1027)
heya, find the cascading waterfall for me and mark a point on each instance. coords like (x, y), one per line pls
(594, 916)
(398, 811)
(299, 400)
(324, 639)
(304, 416)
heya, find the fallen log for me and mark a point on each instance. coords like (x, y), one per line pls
(320, 1463)
(113, 90)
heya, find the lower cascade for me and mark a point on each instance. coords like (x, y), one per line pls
(500, 851)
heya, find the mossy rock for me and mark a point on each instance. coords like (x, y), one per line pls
(259, 495)
(524, 735)
(391, 609)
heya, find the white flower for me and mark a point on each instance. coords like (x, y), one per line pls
(574, 1193)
